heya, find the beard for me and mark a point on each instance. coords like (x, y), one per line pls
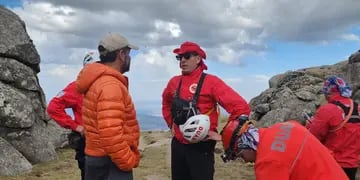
(126, 66)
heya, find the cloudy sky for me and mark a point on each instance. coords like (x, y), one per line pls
(247, 41)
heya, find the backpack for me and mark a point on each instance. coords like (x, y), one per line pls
(181, 109)
(352, 114)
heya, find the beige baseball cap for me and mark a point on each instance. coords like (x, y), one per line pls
(114, 41)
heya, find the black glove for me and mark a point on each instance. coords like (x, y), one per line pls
(74, 139)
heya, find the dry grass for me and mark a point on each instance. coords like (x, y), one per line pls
(63, 168)
(154, 165)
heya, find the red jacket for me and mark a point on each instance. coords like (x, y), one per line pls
(287, 151)
(67, 98)
(214, 91)
(344, 143)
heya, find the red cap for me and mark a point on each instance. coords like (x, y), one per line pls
(190, 47)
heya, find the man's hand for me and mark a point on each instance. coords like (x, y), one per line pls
(80, 129)
(212, 135)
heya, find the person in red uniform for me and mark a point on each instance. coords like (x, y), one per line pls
(284, 151)
(337, 124)
(70, 98)
(191, 93)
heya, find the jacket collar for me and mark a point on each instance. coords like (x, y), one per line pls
(196, 72)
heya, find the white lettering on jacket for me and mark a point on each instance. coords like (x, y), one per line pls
(281, 137)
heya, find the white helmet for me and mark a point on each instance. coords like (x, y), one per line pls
(195, 128)
(90, 57)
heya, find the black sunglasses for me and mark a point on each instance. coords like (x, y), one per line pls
(186, 56)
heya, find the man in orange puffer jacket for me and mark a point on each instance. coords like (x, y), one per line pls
(111, 128)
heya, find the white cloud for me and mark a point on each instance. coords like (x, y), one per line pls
(54, 77)
(172, 28)
(62, 71)
(351, 37)
(226, 55)
(228, 30)
(163, 30)
(307, 20)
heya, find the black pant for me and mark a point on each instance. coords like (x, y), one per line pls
(102, 168)
(80, 156)
(350, 172)
(192, 161)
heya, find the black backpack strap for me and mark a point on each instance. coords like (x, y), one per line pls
(354, 118)
(198, 88)
(177, 92)
(342, 106)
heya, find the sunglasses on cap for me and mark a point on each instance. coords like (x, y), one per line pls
(186, 56)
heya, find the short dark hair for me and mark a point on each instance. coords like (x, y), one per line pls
(106, 56)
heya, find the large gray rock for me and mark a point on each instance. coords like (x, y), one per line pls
(274, 81)
(294, 92)
(274, 116)
(18, 74)
(12, 162)
(263, 98)
(33, 143)
(15, 42)
(298, 79)
(26, 135)
(59, 138)
(353, 74)
(16, 110)
(355, 57)
(356, 96)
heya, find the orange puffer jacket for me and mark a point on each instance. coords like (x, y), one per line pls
(111, 127)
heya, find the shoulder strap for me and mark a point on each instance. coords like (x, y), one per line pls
(346, 118)
(355, 114)
(198, 88)
(342, 106)
(177, 92)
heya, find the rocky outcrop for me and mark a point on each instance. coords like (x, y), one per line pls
(26, 137)
(294, 92)
(353, 73)
(9, 155)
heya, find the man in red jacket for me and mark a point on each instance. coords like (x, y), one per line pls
(70, 98)
(337, 124)
(284, 151)
(191, 93)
